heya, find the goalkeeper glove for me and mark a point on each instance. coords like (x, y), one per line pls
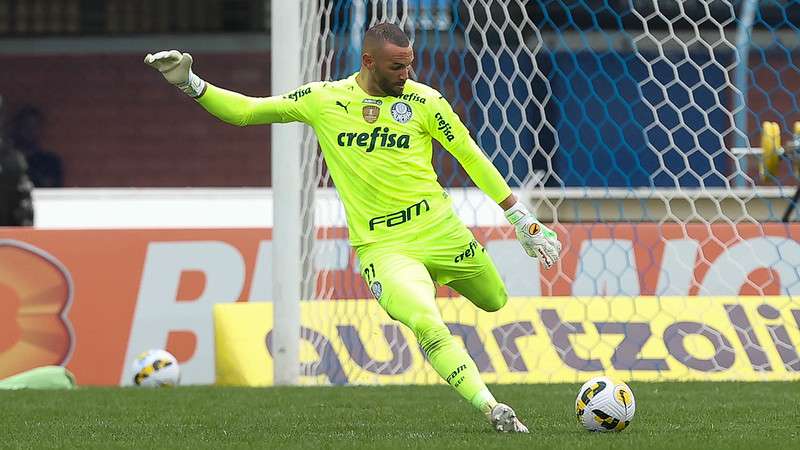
(537, 240)
(177, 69)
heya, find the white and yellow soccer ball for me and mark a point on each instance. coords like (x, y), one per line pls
(605, 405)
(155, 368)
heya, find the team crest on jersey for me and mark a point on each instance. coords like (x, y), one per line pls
(376, 289)
(370, 113)
(401, 112)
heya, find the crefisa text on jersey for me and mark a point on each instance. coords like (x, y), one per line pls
(370, 140)
(412, 97)
(299, 93)
(444, 125)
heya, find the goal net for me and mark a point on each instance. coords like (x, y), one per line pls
(635, 127)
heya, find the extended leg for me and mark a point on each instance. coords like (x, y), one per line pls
(406, 292)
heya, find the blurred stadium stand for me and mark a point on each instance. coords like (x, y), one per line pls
(112, 17)
(109, 116)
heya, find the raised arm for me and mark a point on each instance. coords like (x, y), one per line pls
(228, 106)
(446, 127)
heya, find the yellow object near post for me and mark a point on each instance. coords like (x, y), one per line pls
(772, 149)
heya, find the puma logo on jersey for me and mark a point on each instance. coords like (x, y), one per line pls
(338, 103)
(380, 137)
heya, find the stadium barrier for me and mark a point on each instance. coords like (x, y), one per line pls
(531, 340)
(79, 297)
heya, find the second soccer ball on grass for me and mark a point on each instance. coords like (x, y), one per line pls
(156, 368)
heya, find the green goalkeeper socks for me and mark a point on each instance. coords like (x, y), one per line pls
(455, 366)
(484, 401)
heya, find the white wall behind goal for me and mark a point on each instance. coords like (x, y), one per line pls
(82, 208)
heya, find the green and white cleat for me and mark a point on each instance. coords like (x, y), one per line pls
(504, 420)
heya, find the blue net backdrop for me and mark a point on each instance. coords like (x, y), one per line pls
(633, 126)
(598, 94)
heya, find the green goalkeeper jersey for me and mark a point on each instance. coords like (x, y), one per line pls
(378, 150)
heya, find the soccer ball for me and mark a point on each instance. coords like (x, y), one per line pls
(155, 368)
(605, 405)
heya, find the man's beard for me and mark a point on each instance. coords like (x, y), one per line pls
(390, 89)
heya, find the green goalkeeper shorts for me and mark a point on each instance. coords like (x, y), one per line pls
(403, 276)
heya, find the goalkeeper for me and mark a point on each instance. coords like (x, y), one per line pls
(375, 129)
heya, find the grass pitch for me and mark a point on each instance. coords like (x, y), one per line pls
(668, 415)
